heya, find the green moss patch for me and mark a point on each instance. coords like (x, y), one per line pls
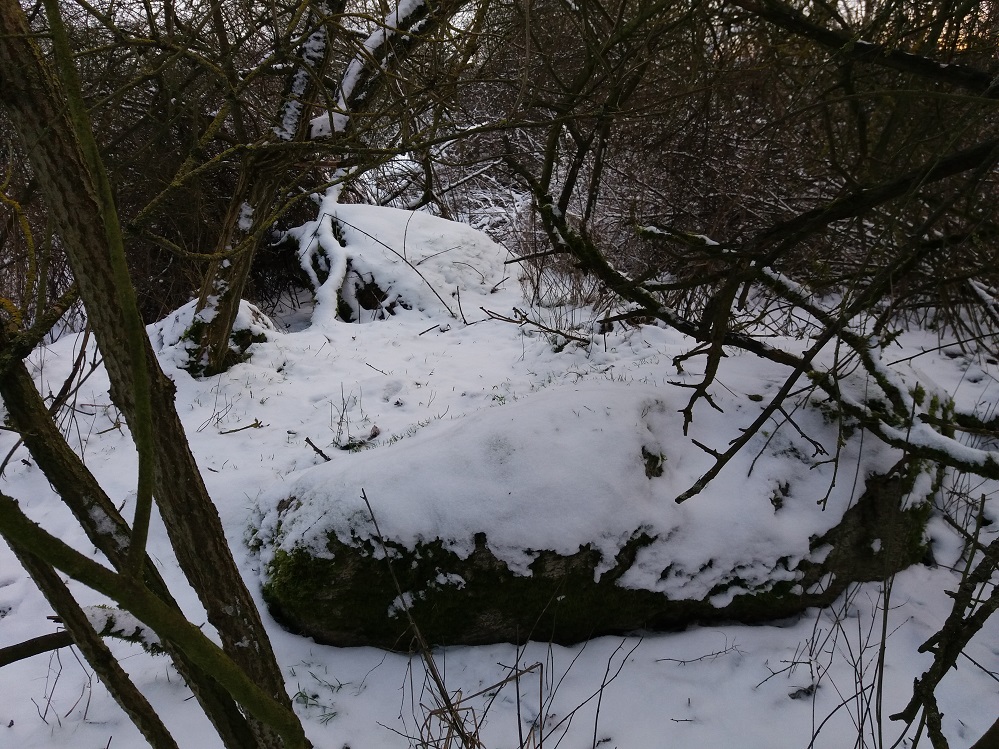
(357, 594)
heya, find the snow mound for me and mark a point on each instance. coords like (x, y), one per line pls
(560, 469)
(169, 335)
(419, 259)
(368, 262)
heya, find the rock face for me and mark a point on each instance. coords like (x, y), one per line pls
(359, 593)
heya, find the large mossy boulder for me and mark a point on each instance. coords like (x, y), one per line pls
(766, 553)
(352, 596)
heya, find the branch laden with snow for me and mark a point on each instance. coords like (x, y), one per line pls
(310, 61)
(122, 625)
(409, 24)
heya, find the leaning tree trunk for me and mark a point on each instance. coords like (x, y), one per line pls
(106, 529)
(98, 655)
(51, 124)
(261, 180)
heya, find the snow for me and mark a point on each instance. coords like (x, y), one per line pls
(484, 425)
(385, 30)
(310, 57)
(245, 222)
(120, 623)
(419, 262)
(560, 469)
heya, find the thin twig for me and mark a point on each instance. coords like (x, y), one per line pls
(320, 453)
(535, 256)
(456, 722)
(257, 424)
(523, 319)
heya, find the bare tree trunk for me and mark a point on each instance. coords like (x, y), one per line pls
(125, 693)
(262, 175)
(218, 304)
(71, 178)
(166, 622)
(106, 529)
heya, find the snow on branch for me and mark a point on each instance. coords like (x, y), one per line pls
(122, 625)
(310, 58)
(368, 61)
(912, 430)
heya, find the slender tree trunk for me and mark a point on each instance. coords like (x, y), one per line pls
(125, 693)
(262, 177)
(107, 530)
(165, 621)
(76, 199)
(243, 230)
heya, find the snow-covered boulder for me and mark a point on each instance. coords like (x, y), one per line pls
(554, 518)
(366, 263)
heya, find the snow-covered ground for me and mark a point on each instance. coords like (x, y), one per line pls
(454, 411)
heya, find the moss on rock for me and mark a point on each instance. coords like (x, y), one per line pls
(348, 595)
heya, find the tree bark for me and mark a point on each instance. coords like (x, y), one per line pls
(167, 623)
(107, 530)
(34, 646)
(118, 683)
(262, 175)
(88, 227)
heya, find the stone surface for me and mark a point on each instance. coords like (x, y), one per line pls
(353, 595)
